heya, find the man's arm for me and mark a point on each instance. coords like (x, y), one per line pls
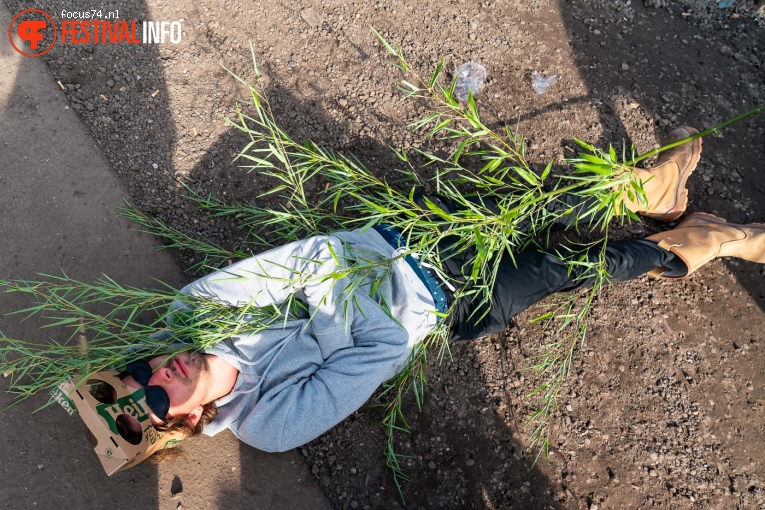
(307, 270)
(299, 410)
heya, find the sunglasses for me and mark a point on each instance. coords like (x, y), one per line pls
(156, 396)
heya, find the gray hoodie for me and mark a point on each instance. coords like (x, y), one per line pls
(300, 378)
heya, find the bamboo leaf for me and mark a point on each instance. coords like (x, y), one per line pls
(471, 106)
(547, 170)
(384, 42)
(594, 159)
(526, 176)
(585, 145)
(372, 222)
(597, 169)
(434, 208)
(460, 148)
(410, 86)
(480, 253)
(436, 73)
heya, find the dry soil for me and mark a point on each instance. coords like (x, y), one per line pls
(665, 404)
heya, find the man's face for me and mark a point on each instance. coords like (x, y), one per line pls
(186, 379)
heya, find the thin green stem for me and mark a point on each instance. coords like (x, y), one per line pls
(706, 132)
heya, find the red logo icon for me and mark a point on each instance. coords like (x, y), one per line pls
(32, 30)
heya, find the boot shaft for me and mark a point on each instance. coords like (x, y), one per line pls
(664, 184)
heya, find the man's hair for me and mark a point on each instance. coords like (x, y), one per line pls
(181, 424)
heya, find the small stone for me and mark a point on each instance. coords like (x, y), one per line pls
(354, 504)
(431, 464)
(625, 66)
(311, 17)
(110, 83)
(469, 462)
(653, 472)
(154, 166)
(176, 487)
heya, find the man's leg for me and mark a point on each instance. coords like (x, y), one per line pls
(664, 186)
(675, 253)
(574, 205)
(536, 275)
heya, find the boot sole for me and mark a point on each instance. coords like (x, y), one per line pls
(681, 197)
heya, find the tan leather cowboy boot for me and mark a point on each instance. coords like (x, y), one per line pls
(664, 184)
(702, 237)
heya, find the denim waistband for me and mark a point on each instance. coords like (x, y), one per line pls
(426, 276)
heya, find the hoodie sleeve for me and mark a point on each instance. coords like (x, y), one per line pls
(310, 270)
(300, 410)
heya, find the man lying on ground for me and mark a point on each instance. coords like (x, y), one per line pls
(281, 387)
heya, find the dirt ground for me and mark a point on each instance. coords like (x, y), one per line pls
(665, 407)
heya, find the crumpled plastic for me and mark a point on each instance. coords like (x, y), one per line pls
(542, 84)
(470, 76)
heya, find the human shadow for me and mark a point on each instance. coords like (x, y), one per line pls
(348, 461)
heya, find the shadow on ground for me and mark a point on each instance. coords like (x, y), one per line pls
(683, 68)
